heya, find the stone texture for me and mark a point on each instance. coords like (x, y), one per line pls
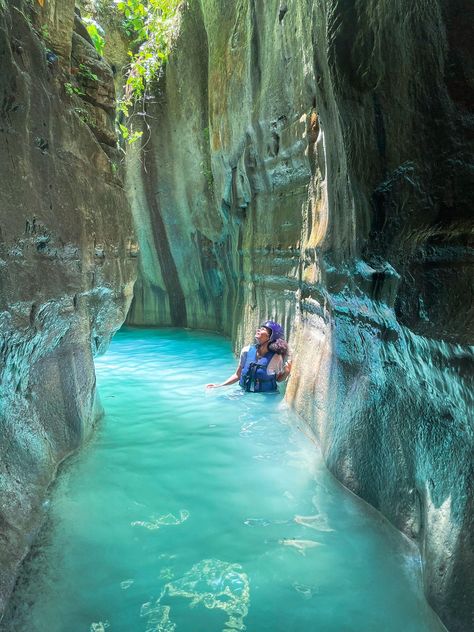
(67, 258)
(313, 161)
(57, 18)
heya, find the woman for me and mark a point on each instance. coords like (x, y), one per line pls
(263, 364)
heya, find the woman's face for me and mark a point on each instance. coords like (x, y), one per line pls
(262, 335)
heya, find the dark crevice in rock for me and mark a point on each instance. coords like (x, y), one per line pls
(255, 47)
(282, 11)
(380, 129)
(176, 298)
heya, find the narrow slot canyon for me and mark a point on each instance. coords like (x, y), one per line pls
(173, 176)
(217, 501)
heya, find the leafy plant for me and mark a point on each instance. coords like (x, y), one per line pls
(206, 171)
(44, 31)
(96, 33)
(71, 90)
(152, 26)
(86, 73)
(128, 135)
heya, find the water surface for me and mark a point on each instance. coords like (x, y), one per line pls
(204, 511)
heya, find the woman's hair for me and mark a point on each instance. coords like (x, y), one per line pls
(280, 347)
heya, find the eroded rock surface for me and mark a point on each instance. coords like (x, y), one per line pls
(313, 161)
(66, 240)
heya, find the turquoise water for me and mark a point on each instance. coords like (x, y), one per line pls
(202, 511)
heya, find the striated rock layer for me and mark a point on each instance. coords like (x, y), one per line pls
(66, 239)
(313, 161)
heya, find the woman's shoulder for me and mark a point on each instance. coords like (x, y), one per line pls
(275, 364)
(243, 354)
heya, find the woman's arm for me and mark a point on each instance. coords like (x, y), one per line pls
(230, 380)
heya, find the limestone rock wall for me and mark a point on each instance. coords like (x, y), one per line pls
(66, 240)
(313, 161)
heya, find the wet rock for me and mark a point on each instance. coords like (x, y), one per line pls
(66, 273)
(95, 90)
(93, 74)
(318, 168)
(55, 21)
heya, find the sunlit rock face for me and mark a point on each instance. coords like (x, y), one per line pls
(223, 167)
(313, 161)
(65, 264)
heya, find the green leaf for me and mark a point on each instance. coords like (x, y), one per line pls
(152, 25)
(134, 137)
(96, 33)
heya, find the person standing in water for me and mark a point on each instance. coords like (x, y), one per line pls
(263, 364)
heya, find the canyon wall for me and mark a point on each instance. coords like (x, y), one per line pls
(67, 254)
(312, 161)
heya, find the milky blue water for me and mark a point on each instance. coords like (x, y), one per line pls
(204, 511)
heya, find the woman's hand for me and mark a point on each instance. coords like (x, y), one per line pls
(230, 380)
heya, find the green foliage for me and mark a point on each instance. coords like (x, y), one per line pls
(206, 171)
(152, 26)
(96, 33)
(71, 90)
(44, 32)
(86, 73)
(128, 135)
